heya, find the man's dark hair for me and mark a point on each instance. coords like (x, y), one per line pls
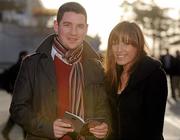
(71, 7)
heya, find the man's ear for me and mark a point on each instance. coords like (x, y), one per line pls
(87, 28)
(56, 26)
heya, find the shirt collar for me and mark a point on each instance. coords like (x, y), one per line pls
(54, 52)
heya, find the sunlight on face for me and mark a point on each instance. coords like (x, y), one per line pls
(71, 29)
(125, 54)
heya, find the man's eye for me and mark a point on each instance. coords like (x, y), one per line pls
(81, 26)
(66, 25)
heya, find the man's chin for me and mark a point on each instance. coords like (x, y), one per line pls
(72, 46)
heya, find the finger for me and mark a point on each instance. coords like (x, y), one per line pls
(61, 128)
(61, 131)
(61, 123)
(98, 131)
(100, 128)
(99, 135)
(94, 131)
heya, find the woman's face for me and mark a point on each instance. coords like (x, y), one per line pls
(124, 54)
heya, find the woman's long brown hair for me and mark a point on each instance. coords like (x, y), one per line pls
(128, 33)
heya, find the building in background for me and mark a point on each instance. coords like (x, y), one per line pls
(25, 12)
(23, 24)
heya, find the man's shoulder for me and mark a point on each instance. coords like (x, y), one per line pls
(89, 52)
(32, 58)
(95, 61)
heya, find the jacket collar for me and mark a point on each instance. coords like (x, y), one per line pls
(46, 45)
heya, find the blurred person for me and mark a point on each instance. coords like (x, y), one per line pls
(59, 77)
(8, 80)
(136, 86)
(168, 62)
(176, 76)
(8, 77)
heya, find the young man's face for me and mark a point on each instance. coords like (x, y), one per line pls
(71, 29)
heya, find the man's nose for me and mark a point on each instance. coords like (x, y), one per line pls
(74, 30)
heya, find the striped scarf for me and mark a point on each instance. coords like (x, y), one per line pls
(76, 79)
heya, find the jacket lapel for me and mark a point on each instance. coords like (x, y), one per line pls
(46, 59)
(48, 67)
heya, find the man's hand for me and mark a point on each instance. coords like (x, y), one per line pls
(61, 128)
(100, 131)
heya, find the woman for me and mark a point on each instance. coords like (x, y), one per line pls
(136, 85)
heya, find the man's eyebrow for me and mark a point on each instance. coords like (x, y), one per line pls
(66, 22)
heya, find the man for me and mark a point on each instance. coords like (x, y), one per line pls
(64, 74)
(176, 76)
(168, 62)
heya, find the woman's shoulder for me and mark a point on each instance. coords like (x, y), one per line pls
(146, 67)
(151, 61)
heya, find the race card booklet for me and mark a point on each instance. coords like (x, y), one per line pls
(81, 126)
